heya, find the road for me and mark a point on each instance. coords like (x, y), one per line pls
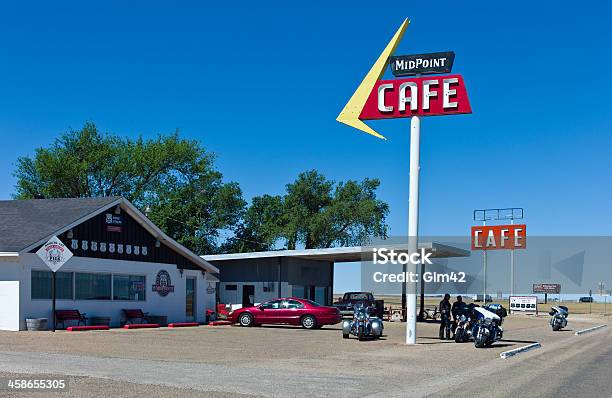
(281, 362)
(579, 369)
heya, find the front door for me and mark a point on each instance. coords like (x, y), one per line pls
(190, 298)
(248, 295)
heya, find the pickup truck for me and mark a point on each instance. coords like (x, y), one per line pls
(350, 299)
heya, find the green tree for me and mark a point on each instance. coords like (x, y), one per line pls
(171, 179)
(314, 213)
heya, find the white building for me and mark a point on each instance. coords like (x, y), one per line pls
(121, 261)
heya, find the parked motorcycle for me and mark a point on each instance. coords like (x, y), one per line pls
(363, 324)
(464, 320)
(487, 327)
(559, 315)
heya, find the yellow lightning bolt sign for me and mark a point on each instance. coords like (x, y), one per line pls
(352, 109)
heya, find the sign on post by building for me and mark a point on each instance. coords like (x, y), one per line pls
(523, 303)
(54, 254)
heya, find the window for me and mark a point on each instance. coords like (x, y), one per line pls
(92, 286)
(298, 291)
(292, 304)
(42, 284)
(276, 304)
(320, 295)
(358, 296)
(313, 303)
(268, 286)
(231, 287)
(129, 287)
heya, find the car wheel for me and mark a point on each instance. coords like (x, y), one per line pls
(245, 319)
(309, 322)
(345, 335)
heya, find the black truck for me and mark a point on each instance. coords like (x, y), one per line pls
(350, 299)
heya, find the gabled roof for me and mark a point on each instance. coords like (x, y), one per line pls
(28, 221)
(27, 224)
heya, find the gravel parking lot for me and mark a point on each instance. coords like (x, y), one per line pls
(261, 361)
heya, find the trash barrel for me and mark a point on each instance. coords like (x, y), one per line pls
(36, 324)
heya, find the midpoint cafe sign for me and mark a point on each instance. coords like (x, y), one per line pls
(399, 98)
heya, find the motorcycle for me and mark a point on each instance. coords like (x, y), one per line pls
(559, 315)
(363, 324)
(487, 327)
(464, 320)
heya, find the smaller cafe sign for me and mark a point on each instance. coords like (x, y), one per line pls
(163, 284)
(54, 253)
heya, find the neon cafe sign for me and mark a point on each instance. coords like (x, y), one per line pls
(401, 98)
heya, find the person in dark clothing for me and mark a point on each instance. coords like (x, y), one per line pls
(458, 307)
(445, 313)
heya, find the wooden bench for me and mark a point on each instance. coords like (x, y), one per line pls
(129, 315)
(61, 316)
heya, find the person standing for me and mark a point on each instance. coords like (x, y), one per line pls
(445, 316)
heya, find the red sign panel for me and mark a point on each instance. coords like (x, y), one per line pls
(422, 96)
(498, 237)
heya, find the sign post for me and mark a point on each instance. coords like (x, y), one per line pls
(412, 98)
(54, 254)
(413, 226)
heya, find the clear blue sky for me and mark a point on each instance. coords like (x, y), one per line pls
(261, 84)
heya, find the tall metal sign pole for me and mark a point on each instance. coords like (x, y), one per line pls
(413, 98)
(54, 254)
(413, 226)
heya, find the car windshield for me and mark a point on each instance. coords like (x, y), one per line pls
(357, 296)
(314, 304)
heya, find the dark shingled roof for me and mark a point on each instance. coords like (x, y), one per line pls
(24, 222)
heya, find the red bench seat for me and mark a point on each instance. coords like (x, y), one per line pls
(62, 316)
(131, 314)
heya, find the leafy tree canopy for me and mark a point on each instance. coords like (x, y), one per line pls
(171, 179)
(313, 213)
(175, 183)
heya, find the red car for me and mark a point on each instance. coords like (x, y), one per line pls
(290, 311)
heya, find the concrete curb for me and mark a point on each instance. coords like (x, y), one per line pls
(507, 354)
(589, 329)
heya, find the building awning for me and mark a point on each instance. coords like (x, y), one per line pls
(342, 254)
